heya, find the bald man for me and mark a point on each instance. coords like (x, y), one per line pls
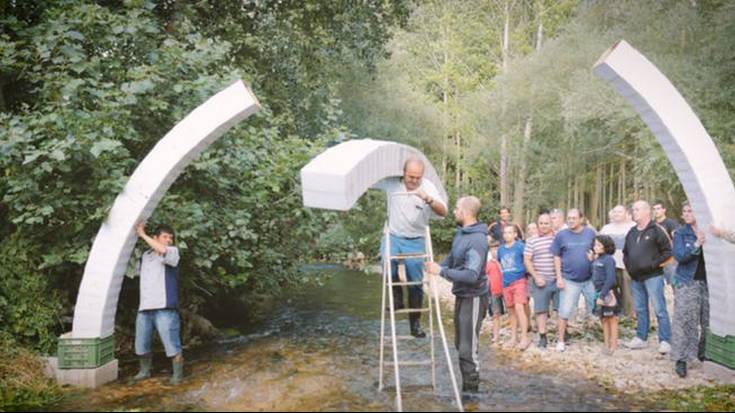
(412, 202)
(647, 250)
(465, 268)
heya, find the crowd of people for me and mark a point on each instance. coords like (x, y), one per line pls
(622, 270)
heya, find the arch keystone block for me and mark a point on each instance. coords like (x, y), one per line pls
(339, 176)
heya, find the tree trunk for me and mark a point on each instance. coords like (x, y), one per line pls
(2, 96)
(505, 44)
(595, 201)
(520, 188)
(621, 187)
(569, 189)
(445, 105)
(458, 167)
(519, 196)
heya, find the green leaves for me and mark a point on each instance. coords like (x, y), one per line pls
(104, 145)
(89, 89)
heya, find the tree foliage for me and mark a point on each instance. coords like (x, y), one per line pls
(588, 148)
(89, 87)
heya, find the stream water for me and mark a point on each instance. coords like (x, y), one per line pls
(317, 349)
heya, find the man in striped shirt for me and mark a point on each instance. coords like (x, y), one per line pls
(540, 264)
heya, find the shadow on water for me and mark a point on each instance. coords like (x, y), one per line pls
(316, 348)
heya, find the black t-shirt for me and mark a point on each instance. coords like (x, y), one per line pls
(701, 274)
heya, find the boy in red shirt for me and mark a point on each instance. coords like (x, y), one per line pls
(495, 283)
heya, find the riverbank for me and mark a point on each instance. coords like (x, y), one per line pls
(628, 371)
(22, 383)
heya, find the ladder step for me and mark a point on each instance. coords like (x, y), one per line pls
(412, 310)
(413, 255)
(399, 284)
(406, 338)
(410, 363)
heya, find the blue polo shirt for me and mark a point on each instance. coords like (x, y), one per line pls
(572, 248)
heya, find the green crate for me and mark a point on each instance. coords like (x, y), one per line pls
(726, 360)
(727, 342)
(721, 350)
(85, 353)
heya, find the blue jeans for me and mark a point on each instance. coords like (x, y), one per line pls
(569, 297)
(669, 271)
(652, 288)
(166, 321)
(414, 267)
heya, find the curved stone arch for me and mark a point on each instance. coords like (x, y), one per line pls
(94, 315)
(339, 176)
(695, 159)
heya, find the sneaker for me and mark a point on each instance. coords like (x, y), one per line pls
(636, 344)
(560, 346)
(542, 342)
(664, 347)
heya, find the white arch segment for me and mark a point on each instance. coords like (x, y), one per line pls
(695, 159)
(339, 176)
(94, 315)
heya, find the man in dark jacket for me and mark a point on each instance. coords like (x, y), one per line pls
(465, 268)
(691, 295)
(647, 250)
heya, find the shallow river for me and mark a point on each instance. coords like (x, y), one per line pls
(318, 350)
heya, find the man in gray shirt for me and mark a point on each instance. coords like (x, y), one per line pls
(159, 302)
(412, 202)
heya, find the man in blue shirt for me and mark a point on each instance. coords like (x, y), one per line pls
(573, 269)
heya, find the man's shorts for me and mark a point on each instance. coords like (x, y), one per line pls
(166, 322)
(545, 297)
(496, 307)
(516, 293)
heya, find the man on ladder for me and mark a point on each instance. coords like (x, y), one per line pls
(412, 201)
(465, 268)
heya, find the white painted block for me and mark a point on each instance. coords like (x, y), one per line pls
(721, 374)
(339, 176)
(94, 315)
(695, 159)
(87, 378)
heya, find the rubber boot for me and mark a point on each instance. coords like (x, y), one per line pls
(398, 298)
(178, 370)
(146, 362)
(415, 301)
